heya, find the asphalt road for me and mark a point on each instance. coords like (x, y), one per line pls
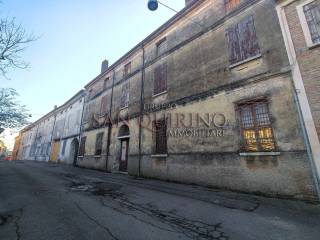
(46, 201)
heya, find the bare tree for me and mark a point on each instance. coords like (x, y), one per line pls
(12, 114)
(13, 41)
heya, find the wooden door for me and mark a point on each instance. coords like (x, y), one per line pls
(55, 151)
(124, 155)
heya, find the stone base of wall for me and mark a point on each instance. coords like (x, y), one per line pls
(98, 163)
(286, 175)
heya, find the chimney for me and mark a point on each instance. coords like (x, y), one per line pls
(104, 65)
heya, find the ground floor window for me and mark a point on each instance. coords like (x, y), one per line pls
(255, 125)
(82, 149)
(99, 142)
(159, 132)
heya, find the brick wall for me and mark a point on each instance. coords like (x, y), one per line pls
(308, 59)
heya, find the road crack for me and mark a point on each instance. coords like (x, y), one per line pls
(96, 221)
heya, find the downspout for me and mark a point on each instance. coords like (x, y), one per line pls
(141, 108)
(313, 153)
(110, 122)
(81, 128)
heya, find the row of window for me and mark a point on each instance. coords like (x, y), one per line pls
(255, 126)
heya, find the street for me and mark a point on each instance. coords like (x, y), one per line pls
(49, 201)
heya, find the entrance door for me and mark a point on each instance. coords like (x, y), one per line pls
(124, 155)
(55, 151)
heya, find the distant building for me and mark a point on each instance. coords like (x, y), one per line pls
(65, 139)
(16, 148)
(3, 150)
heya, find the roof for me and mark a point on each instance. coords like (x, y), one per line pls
(188, 8)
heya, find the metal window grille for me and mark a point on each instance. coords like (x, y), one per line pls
(242, 41)
(82, 150)
(231, 4)
(312, 13)
(160, 136)
(160, 79)
(256, 130)
(99, 138)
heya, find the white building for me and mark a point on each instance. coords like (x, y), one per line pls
(65, 142)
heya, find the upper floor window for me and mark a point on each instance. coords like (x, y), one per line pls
(255, 125)
(105, 82)
(242, 41)
(159, 135)
(231, 4)
(124, 101)
(127, 69)
(161, 46)
(99, 143)
(160, 79)
(309, 15)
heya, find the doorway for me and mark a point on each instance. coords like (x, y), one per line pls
(124, 137)
(74, 151)
(123, 167)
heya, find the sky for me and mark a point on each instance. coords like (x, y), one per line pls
(75, 36)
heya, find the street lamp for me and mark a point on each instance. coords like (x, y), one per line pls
(153, 5)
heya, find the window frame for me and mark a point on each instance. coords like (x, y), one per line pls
(305, 25)
(82, 147)
(160, 79)
(160, 43)
(125, 94)
(99, 144)
(127, 69)
(252, 103)
(157, 147)
(234, 42)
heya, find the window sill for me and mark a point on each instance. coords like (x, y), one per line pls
(245, 154)
(158, 94)
(159, 155)
(245, 61)
(314, 45)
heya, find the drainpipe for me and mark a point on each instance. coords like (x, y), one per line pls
(110, 122)
(81, 128)
(305, 115)
(141, 108)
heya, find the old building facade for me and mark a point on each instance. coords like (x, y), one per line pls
(65, 139)
(208, 98)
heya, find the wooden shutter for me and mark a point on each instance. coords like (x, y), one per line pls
(157, 78)
(247, 38)
(164, 77)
